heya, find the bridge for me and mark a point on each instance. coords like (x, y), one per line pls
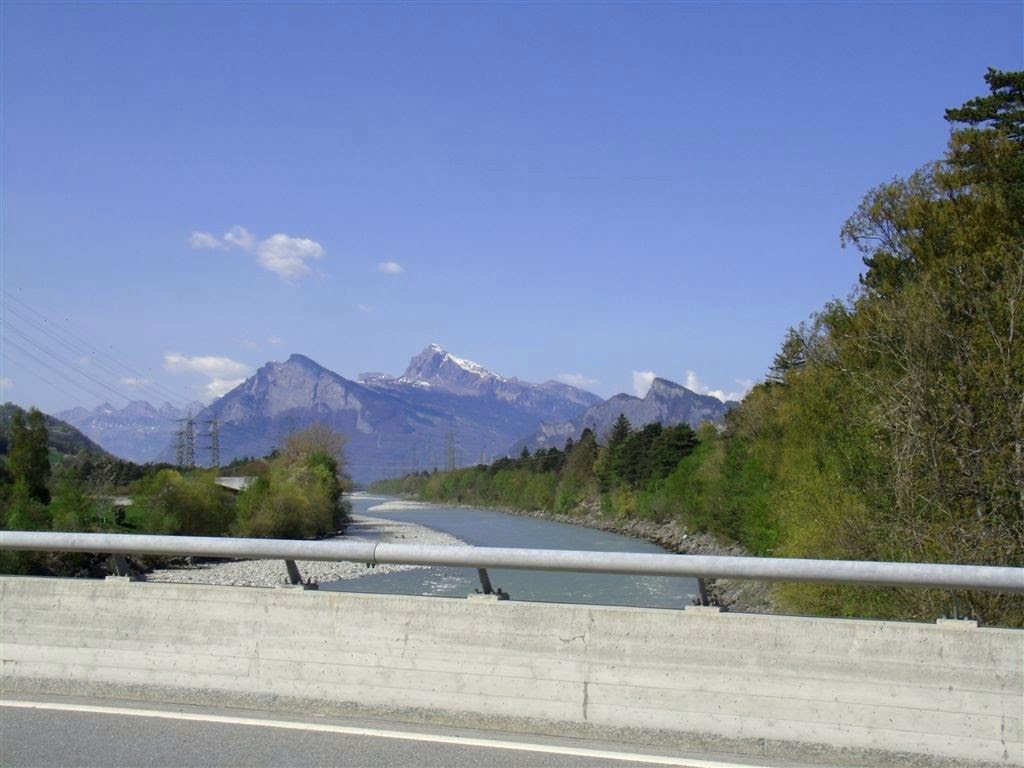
(828, 691)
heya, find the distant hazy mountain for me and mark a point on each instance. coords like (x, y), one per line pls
(138, 432)
(665, 402)
(441, 405)
(63, 437)
(435, 371)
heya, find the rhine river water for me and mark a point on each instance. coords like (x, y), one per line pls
(489, 528)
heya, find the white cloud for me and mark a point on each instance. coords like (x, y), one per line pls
(250, 344)
(642, 381)
(205, 241)
(209, 365)
(135, 382)
(287, 256)
(284, 255)
(693, 383)
(390, 268)
(6, 383)
(218, 387)
(240, 237)
(273, 341)
(364, 307)
(577, 380)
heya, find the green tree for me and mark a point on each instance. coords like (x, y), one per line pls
(668, 449)
(577, 480)
(192, 504)
(1001, 110)
(25, 512)
(300, 493)
(28, 457)
(620, 430)
(606, 467)
(72, 507)
(631, 465)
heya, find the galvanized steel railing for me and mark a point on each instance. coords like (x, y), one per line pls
(864, 573)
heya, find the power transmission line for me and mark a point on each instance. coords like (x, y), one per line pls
(84, 347)
(67, 377)
(119, 374)
(44, 349)
(49, 382)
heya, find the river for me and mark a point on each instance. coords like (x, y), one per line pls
(490, 528)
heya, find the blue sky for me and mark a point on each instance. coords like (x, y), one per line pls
(591, 191)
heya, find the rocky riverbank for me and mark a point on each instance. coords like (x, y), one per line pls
(271, 573)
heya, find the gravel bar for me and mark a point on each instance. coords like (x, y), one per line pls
(271, 573)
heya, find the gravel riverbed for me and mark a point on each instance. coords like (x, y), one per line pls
(272, 573)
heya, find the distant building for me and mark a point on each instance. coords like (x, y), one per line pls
(236, 484)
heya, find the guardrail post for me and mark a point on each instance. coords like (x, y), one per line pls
(119, 565)
(295, 578)
(486, 591)
(702, 592)
(485, 581)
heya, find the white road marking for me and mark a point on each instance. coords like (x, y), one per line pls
(376, 733)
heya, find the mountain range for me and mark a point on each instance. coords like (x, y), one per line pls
(665, 402)
(442, 411)
(138, 432)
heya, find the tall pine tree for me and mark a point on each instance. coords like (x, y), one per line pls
(28, 458)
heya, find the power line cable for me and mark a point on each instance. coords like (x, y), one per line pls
(107, 369)
(92, 350)
(59, 359)
(55, 370)
(47, 381)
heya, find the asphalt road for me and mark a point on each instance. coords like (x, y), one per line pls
(37, 732)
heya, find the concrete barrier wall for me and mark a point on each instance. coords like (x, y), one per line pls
(759, 683)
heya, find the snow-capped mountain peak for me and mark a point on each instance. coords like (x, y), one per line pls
(436, 367)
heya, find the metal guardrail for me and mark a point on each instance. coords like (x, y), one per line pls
(858, 572)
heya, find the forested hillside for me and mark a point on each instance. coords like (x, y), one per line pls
(890, 426)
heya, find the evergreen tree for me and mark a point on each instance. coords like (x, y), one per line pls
(553, 460)
(668, 449)
(632, 465)
(620, 430)
(1002, 110)
(606, 465)
(28, 459)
